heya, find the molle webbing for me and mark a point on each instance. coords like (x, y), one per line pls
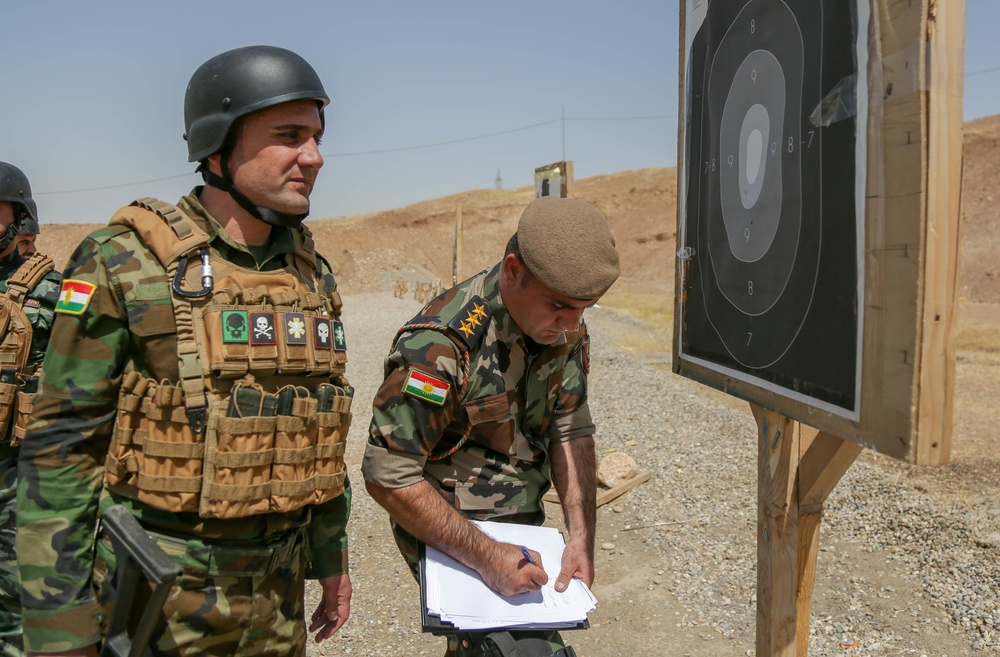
(200, 444)
(171, 235)
(15, 329)
(27, 276)
(261, 452)
(163, 228)
(16, 333)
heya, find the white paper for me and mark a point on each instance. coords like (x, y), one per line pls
(458, 595)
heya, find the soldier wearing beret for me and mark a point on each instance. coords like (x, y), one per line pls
(196, 376)
(484, 407)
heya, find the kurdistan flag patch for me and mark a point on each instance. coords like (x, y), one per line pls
(424, 386)
(74, 296)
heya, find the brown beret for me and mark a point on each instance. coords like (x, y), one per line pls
(567, 244)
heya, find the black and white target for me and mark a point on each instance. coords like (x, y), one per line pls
(770, 211)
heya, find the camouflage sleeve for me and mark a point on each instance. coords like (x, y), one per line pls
(405, 428)
(326, 547)
(41, 314)
(60, 466)
(571, 418)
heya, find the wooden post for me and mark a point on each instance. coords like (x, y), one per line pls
(824, 460)
(777, 533)
(798, 468)
(939, 300)
(456, 260)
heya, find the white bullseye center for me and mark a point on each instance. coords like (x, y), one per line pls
(754, 146)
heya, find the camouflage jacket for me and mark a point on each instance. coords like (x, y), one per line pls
(478, 432)
(39, 307)
(61, 465)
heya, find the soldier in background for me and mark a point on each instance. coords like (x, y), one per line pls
(484, 406)
(195, 375)
(24, 241)
(28, 288)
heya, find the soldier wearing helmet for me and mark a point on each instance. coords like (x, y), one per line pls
(24, 241)
(17, 209)
(28, 288)
(186, 381)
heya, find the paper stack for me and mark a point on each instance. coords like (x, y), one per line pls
(458, 596)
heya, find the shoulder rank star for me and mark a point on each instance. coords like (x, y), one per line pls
(471, 319)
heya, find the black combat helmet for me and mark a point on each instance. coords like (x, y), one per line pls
(232, 85)
(29, 226)
(14, 189)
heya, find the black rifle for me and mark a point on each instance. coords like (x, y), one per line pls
(136, 554)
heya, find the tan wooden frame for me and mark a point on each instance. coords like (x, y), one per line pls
(911, 236)
(565, 170)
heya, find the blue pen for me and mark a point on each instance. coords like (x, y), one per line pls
(527, 555)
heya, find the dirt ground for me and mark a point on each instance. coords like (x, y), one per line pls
(414, 245)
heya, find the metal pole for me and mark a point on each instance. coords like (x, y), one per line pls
(564, 132)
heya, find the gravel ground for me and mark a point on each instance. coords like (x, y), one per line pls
(900, 572)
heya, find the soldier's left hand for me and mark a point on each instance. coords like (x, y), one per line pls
(332, 611)
(577, 561)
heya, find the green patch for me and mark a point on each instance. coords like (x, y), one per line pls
(339, 338)
(234, 327)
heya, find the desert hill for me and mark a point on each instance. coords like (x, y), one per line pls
(979, 256)
(414, 243)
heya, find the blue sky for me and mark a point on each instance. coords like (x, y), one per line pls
(93, 92)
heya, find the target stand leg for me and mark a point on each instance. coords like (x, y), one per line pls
(797, 470)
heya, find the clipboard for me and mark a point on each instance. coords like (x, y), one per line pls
(429, 622)
(434, 625)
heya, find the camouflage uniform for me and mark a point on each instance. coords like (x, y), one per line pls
(485, 447)
(241, 589)
(38, 306)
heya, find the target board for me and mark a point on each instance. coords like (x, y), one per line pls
(772, 199)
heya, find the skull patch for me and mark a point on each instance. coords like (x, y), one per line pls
(262, 328)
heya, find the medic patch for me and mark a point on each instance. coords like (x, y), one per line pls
(295, 328)
(339, 339)
(235, 329)
(470, 323)
(422, 385)
(321, 333)
(74, 296)
(262, 328)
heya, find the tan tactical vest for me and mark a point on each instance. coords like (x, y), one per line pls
(257, 421)
(18, 380)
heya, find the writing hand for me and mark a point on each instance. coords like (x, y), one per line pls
(508, 572)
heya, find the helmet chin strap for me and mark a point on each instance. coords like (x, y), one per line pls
(225, 183)
(13, 229)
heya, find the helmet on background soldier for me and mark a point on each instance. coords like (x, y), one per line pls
(29, 226)
(24, 241)
(232, 85)
(15, 189)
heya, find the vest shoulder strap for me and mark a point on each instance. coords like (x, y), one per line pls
(28, 276)
(306, 255)
(163, 227)
(169, 233)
